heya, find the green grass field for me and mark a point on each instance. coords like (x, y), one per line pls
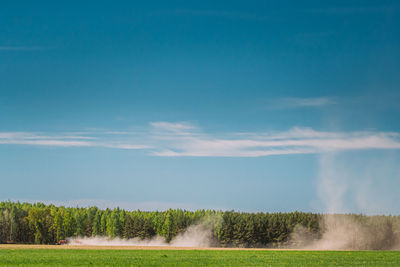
(94, 257)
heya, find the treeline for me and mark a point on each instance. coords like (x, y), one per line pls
(47, 224)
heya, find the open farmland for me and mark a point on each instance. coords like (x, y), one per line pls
(132, 256)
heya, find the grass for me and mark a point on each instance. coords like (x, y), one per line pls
(111, 257)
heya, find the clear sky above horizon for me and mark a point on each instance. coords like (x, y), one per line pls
(245, 105)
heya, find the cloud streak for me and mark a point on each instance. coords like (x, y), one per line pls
(294, 141)
(297, 102)
(167, 139)
(62, 140)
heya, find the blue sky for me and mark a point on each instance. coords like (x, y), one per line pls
(245, 105)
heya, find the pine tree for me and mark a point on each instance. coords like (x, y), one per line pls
(96, 227)
(168, 226)
(58, 226)
(69, 224)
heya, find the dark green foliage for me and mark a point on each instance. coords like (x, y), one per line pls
(47, 224)
(96, 229)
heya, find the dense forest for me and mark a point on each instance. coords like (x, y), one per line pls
(46, 224)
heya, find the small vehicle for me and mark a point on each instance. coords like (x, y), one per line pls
(62, 242)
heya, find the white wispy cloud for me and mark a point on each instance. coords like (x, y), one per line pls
(298, 102)
(47, 143)
(182, 139)
(173, 127)
(66, 140)
(295, 141)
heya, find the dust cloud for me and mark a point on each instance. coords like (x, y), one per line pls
(340, 230)
(349, 232)
(195, 236)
